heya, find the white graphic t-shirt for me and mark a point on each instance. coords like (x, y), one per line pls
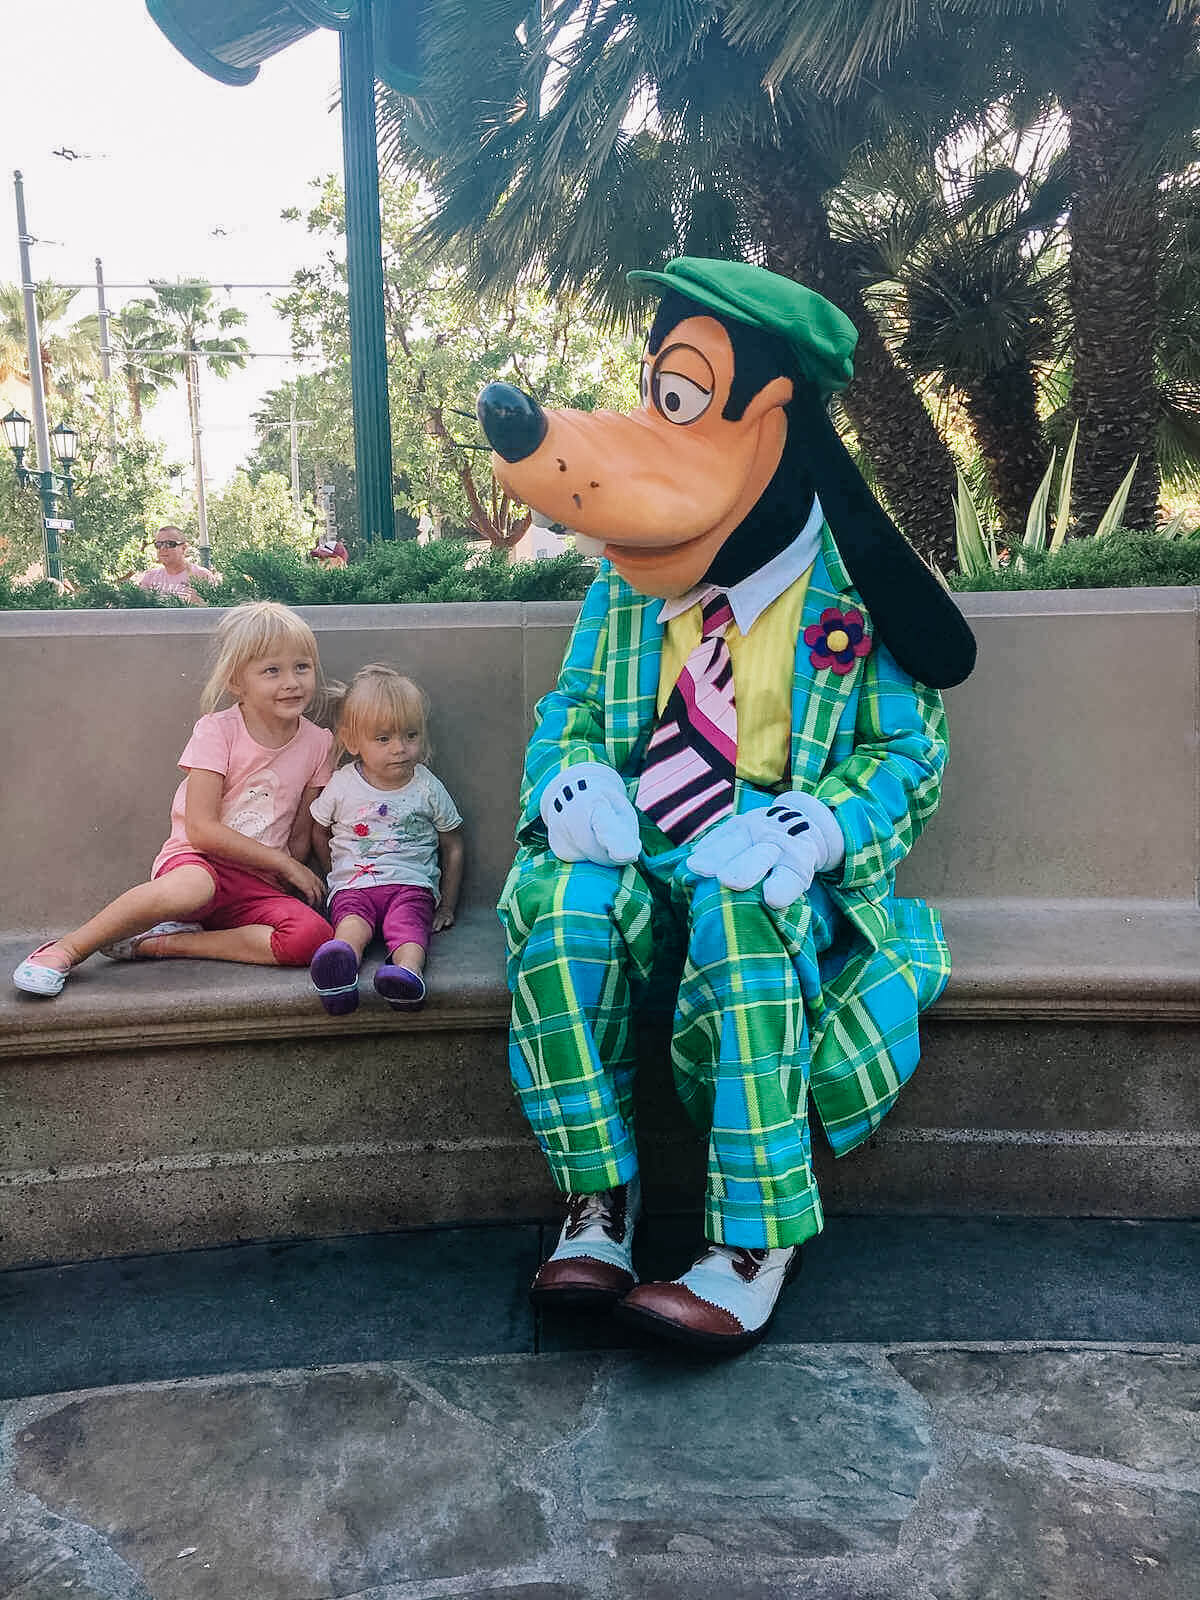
(381, 836)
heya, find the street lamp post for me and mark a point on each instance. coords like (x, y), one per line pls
(50, 484)
(45, 473)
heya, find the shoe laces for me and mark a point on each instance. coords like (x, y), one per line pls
(605, 1210)
(745, 1262)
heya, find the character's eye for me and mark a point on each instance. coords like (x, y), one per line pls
(679, 398)
(645, 384)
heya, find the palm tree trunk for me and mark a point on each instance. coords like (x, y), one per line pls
(1126, 64)
(911, 461)
(135, 396)
(1002, 407)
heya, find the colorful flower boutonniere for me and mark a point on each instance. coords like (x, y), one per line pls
(836, 642)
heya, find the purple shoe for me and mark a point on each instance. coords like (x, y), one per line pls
(403, 990)
(334, 970)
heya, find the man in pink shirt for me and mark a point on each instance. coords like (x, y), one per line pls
(176, 573)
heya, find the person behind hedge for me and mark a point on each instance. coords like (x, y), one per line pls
(175, 574)
(390, 838)
(230, 883)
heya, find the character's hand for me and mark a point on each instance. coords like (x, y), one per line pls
(297, 876)
(443, 918)
(588, 817)
(783, 847)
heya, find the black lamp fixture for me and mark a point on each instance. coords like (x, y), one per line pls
(66, 444)
(16, 433)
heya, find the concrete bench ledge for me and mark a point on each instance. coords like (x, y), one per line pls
(1013, 959)
(153, 1108)
(109, 1005)
(1072, 960)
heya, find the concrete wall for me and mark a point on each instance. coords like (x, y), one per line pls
(1073, 771)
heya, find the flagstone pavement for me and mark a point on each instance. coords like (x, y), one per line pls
(838, 1469)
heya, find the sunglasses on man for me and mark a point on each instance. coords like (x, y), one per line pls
(167, 544)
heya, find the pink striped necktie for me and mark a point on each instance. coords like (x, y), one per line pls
(691, 760)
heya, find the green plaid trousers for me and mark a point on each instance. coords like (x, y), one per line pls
(583, 940)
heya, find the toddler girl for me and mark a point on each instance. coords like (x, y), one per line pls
(224, 884)
(383, 822)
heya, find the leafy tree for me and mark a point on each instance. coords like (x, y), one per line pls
(325, 442)
(259, 515)
(20, 520)
(120, 498)
(445, 342)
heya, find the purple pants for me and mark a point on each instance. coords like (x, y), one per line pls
(402, 912)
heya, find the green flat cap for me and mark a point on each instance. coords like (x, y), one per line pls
(822, 338)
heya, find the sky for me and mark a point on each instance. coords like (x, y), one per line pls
(165, 157)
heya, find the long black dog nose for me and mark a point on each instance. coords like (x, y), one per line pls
(514, 422)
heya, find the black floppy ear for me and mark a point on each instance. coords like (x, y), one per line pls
(914, 615)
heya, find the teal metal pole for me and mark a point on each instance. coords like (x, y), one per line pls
(364, 271)
(48, 490)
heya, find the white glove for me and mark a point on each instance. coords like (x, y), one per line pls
(782, 846)
(588, 816)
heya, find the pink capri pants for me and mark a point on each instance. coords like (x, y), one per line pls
(241, 900)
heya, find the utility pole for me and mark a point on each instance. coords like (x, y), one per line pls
(294, 433)
(41, 430)
(106, 356)
(204, 552)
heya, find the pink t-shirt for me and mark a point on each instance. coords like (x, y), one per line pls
(177, 583)
(263, 787)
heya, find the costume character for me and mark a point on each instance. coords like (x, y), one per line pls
(745, 739)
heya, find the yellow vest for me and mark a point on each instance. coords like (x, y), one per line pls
(763, 668)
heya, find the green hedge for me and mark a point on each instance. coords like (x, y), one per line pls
(449, 570)
(1124, 560)
(398, 573)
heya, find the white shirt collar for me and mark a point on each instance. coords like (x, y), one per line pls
(751, 597)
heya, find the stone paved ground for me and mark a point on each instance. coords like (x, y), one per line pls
(945, 1409)
(848, 1472)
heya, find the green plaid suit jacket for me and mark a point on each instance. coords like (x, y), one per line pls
(870, 744)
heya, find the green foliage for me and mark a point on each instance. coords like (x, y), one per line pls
(399, 573)
(1122, 560)
(256, 516)
(979, 550)
(445, 341)
(20, 520)
(120, 499)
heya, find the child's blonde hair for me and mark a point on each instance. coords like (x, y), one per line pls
(380, 700)
(250, 632)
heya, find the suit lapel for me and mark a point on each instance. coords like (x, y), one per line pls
(635, 638)
(819, 694)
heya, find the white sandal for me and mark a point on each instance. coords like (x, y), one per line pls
(127, 949)
(33, 978)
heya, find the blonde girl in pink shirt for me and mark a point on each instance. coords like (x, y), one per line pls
(230, 883)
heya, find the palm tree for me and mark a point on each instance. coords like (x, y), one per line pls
(1126, 75)
(70, 351)
(197, 329)
(961, 250)
(617, 136)
(138, 335)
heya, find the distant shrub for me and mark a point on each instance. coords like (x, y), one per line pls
(402, 572)
(1123, 560)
